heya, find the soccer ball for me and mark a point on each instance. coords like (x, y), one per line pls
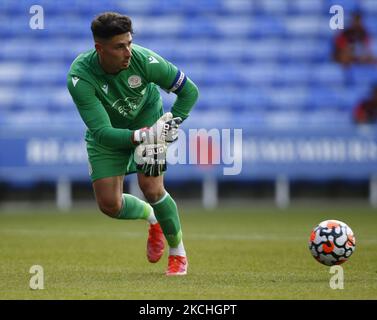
(332, 242)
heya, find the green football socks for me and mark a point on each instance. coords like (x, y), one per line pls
(134, 208)
(166, 212)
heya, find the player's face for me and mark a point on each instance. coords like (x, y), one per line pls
(116, 52)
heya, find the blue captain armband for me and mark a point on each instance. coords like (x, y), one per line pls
(178, 83)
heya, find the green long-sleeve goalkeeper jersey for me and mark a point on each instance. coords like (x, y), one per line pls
(111, 105)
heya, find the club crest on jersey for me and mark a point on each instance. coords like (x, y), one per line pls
(134, 81)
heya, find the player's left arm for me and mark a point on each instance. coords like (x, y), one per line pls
(171, 79)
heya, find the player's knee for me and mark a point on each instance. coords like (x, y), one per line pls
(153, 194)
(110, 208)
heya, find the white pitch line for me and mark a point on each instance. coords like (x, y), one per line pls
(142, 235)
(191, 236)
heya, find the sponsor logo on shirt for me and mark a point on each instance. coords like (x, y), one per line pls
(125, 106)
(134, 81)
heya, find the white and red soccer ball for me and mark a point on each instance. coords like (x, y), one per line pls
(332, 242)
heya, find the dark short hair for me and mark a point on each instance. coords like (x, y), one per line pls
(109, 24)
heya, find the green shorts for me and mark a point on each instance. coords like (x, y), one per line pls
(105, 162)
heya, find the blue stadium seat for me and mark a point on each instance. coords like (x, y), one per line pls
(267, 26)
(11, 73)
(322, 98)
(55, 74)
(348, 5)
(238, 7)
(287, 98)
(363, 74)
(163, 26)
(234, 26)
(336, 98)
(265, 74)
(306, 7)
(306, 25)
(199, 6)
(349, 99)
(369, 7)
(305, 50)
(374, 46)
(58, 26)
(198, 26)
(7, 96)
(137, 7)
(294, 74)
(249, 56)
(271, 6)
(328, 73)
(268, 49)
(370, 23)
(40, 50)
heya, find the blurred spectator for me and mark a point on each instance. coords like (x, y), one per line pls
(352, 45)
(366, 111)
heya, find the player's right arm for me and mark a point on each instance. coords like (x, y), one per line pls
(95, 116)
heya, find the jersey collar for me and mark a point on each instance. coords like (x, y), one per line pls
(98, 69)
(96, 66)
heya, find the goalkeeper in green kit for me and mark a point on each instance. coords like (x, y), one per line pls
(115, 89)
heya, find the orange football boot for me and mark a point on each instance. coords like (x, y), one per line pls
(177, 266)
(155, 244)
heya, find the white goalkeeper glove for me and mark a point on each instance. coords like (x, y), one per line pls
(151, 159)
(165, 130)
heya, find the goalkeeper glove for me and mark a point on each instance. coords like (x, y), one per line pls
(165, 130)
(151, 159)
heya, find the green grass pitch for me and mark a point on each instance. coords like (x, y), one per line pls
(234, 253)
